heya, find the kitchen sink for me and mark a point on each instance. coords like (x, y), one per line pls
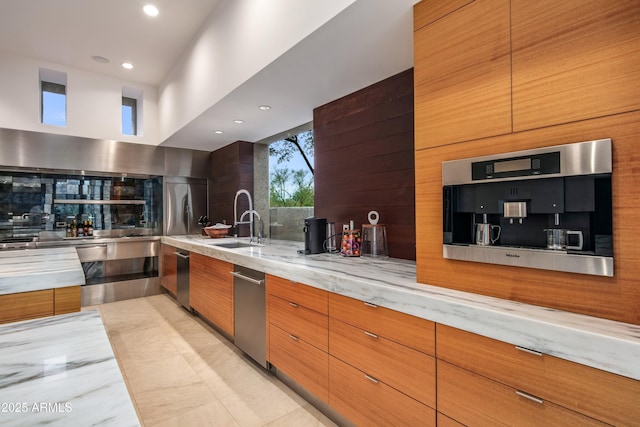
(234, 245)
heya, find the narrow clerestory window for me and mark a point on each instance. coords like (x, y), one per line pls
(53, 97)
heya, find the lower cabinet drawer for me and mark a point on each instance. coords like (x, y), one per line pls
(402, 328)
(407, 370)
(26, 305)
(608, 397)
(308, 325)
(304, 363)
(366, 402)
(472, 399)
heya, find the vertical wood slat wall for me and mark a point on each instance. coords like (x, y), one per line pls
(364, 160)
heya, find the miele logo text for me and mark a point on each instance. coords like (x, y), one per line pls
(513, 255)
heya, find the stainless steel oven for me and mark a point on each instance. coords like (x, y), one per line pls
(547, 208)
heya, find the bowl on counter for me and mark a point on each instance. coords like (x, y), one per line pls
(217, 231)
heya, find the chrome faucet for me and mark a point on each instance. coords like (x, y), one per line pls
(236, 222)
(253, 213)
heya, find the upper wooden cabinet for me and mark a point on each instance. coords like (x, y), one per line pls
(462, 74)
(574, 60)
(428, 11)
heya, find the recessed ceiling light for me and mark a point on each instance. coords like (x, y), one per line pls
(238, 121)
(127, 65)
(100, 59)
(264, 107)
(150, 10)
(219, 132)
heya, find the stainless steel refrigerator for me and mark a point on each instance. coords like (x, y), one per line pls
(185, 201)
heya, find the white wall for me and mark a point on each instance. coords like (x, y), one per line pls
(240, 38)
(93, 102)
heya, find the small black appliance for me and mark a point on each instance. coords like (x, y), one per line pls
(315, 233)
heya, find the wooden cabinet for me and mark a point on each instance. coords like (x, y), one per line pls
(367, 401)
(462, 72)
(31, 305)
(66, 300)
(404, 329)
(473, 399)
(574, 60)
(569, 388)
(401, 367)
(211, 290)
(169, 269)
(298, 337)
(26, 305)
(304, 363)
(381, 368)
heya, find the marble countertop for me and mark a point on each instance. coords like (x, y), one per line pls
(61, 371)
(600, 343)
(26, 270)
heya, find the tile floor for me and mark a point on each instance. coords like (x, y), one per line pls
(181, 372)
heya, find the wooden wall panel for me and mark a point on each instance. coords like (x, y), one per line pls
(364, 160)
(232, 169)
(616, 298)
(429, 11)
(463, 75)
(574, 60)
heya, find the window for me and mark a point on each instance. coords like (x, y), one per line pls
(291, 187)
(53, 98)
(129, 116)
(131, 111)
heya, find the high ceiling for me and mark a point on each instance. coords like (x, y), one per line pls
(367, 42)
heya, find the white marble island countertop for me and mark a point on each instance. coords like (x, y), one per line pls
(600, 343)
(61, 371)
(26, 270)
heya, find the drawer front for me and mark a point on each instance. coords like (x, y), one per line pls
(405, 369)
(365, 402)
(304, 363)
(472, 399)
(307, 296)
(305, 324)
(411, 331)
(128, 250)
(599, 394)
(26, 305)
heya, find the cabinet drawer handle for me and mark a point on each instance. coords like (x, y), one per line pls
(370, 378)
(371, 334)
(293, 337)
(526, 350)
(293, 304)
(530, 397)
(368, 304)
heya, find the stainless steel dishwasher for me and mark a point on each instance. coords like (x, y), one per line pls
(250, 315)
(182, 289)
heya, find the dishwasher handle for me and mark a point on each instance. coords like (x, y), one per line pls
(181, 255)
(248, 279)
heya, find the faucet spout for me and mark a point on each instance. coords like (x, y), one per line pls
(237, 221)
(251, 214)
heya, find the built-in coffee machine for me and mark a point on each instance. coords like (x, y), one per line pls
(547, 208)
